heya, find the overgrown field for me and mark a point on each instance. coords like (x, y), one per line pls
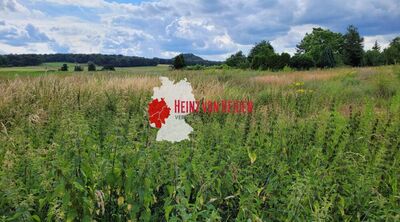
(319, 146)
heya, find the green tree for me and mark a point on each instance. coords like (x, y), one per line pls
(374, 57)
(237, 60)
(64, 67)
(91, 66)
(392, 53)
(315, 43)
(3, 60)
(301, 61)
(282, 60)
(353, 47)
(376, 47)
(179, 62)
(260, 55)
(327, 58)
(259, 62)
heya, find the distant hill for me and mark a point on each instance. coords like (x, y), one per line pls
(98, 59)
(190, 59)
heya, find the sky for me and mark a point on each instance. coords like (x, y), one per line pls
(212, 29)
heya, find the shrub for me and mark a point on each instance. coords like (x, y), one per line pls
(108, 68)
(301, 61)
(91, 66)
(64, 67)
(195, 67)
(237, 60)
(78, 68)
(373, 58)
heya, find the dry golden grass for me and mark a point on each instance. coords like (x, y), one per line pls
(56, 86)
(209, 90)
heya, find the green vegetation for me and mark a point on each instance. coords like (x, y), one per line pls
(237, 60)
(91, 66)
(321, 48)
(319, 41)
(179, 62)
(64, 67)
(108, 68)
(353, 47)
(320, 145)
(392, 53)
(78, 68)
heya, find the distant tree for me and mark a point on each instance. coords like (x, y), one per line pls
(374, 57)
(237, 60)
(3, 60)
(353, 47)
(327, 59)
(376, 46)
(64, 67)
(98, 59)
(314, 44)
(108, 68)
(259, 61)
(263, 51)
(392, 53)
(91, 66)
(179, 62)
(282, 61)
(301, 61)
(78, 68)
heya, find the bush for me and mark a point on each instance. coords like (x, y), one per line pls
(287, 69)
(108, 68)
(195, 67)
(237, 60)
(373, 58)
(64, 67)
(301, 61)
(91, 66)
(78, 68)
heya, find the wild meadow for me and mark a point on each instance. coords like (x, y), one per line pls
(321, 145)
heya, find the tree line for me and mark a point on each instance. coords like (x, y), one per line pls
(321, 48)
(98, 59)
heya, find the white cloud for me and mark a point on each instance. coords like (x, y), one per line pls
(12, 6)
(213, 29)
(383, 40)
(80, 3)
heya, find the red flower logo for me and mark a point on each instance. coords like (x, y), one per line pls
(158, 112)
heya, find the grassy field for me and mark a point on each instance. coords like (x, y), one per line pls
(321, 145)
(52, 68)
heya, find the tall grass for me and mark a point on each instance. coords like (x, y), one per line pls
(79, 148)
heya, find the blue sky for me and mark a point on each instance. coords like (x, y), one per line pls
(213, 29)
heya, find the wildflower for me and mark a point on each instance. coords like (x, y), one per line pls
(299, 83)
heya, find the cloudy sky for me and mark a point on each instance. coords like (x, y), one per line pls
(212, 29)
